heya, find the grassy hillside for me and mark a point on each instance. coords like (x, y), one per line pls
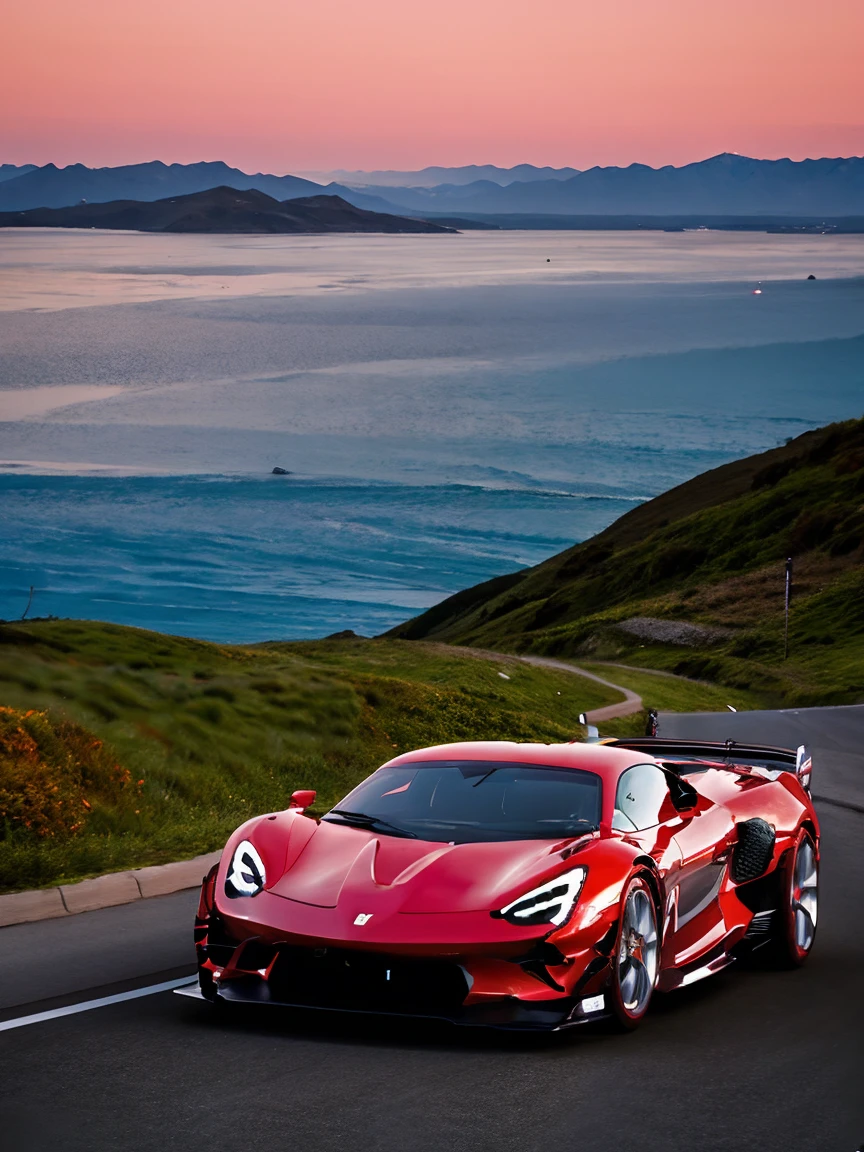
(693, 581)
(120, 747)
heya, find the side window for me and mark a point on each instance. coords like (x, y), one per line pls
(639, 799)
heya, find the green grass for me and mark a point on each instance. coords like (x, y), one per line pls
(669, 693)
(218, 733)
(709, 553)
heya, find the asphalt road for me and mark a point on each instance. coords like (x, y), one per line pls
(748, 1059)
(835, 736)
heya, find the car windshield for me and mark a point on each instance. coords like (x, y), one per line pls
(458, 801)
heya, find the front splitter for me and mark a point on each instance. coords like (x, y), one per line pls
(508, 1015)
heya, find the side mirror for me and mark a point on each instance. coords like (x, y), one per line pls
(682, 793)
(304, 798)
(592, 734)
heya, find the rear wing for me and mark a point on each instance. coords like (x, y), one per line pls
(675, 753)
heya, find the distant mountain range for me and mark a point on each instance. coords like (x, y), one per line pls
(221, 210)
(53, 187)
(10, 171)
(725, 185)
(433, 176)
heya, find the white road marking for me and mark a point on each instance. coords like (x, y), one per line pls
(86, 1005)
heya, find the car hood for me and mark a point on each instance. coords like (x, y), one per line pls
(339, 863)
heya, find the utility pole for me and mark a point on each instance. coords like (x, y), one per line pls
(29, 602)
(788, 595)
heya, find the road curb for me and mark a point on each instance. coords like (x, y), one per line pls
(104, 891)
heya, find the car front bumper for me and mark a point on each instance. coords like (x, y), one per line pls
(516, 993)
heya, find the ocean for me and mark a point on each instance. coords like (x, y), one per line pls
(448, 408)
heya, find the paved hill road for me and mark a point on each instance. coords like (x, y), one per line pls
(835, 736)
(630, 704)
(749, 1059)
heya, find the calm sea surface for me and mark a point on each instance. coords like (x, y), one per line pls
(449, 408)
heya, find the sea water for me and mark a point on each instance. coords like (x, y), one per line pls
(448, 408)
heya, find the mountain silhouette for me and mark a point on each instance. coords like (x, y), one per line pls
(435, 175)
(11, 171)
(221, 210)
(724, 185)
(53, 187)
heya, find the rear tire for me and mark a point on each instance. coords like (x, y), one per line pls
(636, 959)
(795, 928)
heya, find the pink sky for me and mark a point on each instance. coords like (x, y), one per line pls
(288, 85)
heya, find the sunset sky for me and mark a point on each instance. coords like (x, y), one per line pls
(283, 85)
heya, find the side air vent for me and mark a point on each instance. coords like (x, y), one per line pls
(760, 926)
(754, 851)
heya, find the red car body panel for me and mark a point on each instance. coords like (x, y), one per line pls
(342, 895)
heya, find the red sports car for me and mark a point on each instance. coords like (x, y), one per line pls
(513, 885)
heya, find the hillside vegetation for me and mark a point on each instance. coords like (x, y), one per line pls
(120, 747)
(693, 581)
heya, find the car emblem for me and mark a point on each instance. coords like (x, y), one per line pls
(363, 918)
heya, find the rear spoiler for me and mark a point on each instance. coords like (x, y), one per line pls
(729, 751)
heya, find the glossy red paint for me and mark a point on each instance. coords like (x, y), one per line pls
(347, 914)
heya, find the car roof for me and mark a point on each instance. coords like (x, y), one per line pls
(606, 762)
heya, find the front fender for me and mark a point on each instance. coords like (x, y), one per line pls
(610, 865)
(279, 838)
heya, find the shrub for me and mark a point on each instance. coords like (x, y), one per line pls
(812, 528)
(772, 474)
(51, 775)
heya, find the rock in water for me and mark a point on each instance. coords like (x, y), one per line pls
(281, 472)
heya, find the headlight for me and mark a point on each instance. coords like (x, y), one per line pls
(551, 904)
(246, 877)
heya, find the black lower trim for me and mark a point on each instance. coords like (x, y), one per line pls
(509, 1014)
(342, 978)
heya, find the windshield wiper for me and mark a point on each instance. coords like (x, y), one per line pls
(363, 820)
(485, 776)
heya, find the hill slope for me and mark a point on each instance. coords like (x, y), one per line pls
(693, 581)
(158, 746)
(221, 210)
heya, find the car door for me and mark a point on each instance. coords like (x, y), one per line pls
(687, 837)
(704, 837)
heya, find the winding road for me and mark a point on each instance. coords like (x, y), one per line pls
(631, 703)
(749, 1058)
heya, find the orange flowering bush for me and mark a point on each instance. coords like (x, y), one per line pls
(52, 774)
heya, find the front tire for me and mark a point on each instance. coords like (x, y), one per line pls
(636, 957)
(796, 921)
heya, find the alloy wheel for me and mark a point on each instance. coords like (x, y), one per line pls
(805, 896)
(637, 952)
